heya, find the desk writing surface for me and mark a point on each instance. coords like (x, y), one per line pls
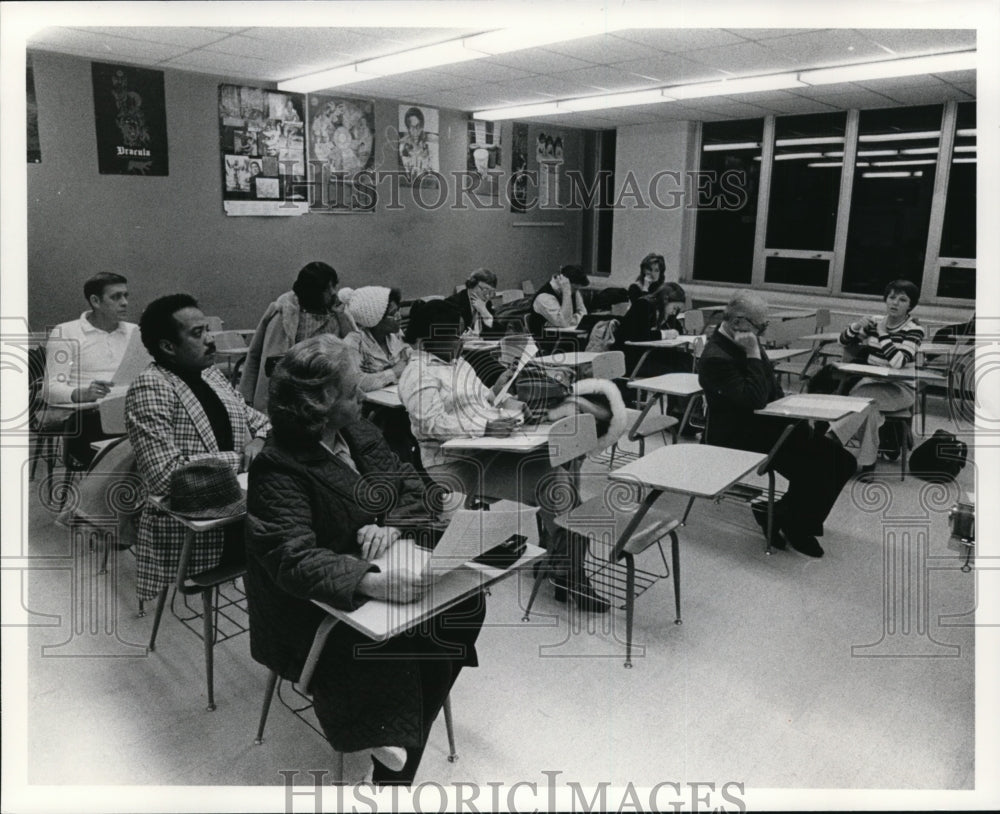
(701, 470)
(670, 384)
(116, 392)
(526, 440)
(814, 406)
(826, 336)
(879, 372)
(792, 313)
(780, 354)
(196, 525)
(662, 343)
(380, 620)
(384, 396)
(573, 358)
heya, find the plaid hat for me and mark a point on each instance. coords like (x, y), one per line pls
(205, 489)
(368, 305)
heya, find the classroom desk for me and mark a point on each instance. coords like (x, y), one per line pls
(791, 313)
(478, 344)
(695, 470)
(523, 441)
(384, 396)
(680, 385)
(814, 407)
(656, 344)
(577, 358)
(780, 354)
(908, 373)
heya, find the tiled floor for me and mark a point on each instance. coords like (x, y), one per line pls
(787, 672)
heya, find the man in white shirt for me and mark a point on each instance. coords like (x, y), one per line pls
(83, 355)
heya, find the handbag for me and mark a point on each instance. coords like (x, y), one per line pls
(542, 387)
(940, 458)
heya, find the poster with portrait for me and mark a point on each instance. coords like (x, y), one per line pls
(262, 142)
(483, 159)
(131, 119)
(418, 145)
(341, 154)
(548, 152)
(31, 111)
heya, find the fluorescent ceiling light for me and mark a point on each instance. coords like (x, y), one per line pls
(497, 114)
(872, 153)
(798, 142)
(904, 163)
(610, 100)
(890, 174)
(430, 56)
(916, 135)
(725, 87)
(920, 151)
(735, 145)
(344, 75)
(788, 156)
(935, 63)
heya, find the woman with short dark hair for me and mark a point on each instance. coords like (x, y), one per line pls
(654, 316)
(326, 498)
(310, 308)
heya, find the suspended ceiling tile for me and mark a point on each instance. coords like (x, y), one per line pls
(771, 33)
(436, 79)
(484, 70)
(829, 47)
(604, 49)
(675, 40)
(225, 64)
(278, 52)
(914, 41)
(966, 87)
(929, 96)
(539, 60)
(104, 46)
(887, 86)
(672, 70)
(957, 77)
(796, 105)
(186, 37)
(732, 108)
(391, 87)
(746, 58)
(859, 98)
(555, 87)
(606, 78)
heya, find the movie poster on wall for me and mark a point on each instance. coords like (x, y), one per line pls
(131, 119)
(418, 145)
(483, 159)
(519, 168)
(341, 154)
(262, 144)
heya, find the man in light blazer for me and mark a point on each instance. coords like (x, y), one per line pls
(182, 409)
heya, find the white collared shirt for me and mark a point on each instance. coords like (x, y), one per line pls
(77, 353)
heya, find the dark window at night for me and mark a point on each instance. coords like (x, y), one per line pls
(958, 238)
(805, 181)
(727, 200)
(891, 204)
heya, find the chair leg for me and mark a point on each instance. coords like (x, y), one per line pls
(539, 577)
(449, 727)
(614, 449)
(629, 606)
(675, 557)
(161, 602)
(338, 769)
(208, 633)
(272, 682)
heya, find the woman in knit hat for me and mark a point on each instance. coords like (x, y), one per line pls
(382, 351)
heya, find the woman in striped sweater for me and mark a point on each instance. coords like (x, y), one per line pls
(891, 340)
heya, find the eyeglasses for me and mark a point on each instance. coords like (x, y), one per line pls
(759, 327)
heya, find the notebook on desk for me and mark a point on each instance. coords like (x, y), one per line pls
(469, 535)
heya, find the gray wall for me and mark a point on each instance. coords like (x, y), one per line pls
(170, 233)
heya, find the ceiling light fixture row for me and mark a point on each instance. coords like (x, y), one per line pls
(936, 63)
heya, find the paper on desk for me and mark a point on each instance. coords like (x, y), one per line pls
(135, 360)
(470, 533)
(820, 400)
(530, 351)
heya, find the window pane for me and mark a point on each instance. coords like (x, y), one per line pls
(957, 282)
(796, 271)
(727, 202)
(891, 204)
(959, 236)
(805, 181)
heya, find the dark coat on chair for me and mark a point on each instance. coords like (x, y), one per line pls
(304, 508)
(816, 467)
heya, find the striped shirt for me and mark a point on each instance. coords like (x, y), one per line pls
(887, 348)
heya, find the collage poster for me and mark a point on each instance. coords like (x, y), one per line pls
(483, 158)
(418, 145)
(519, 168)
(262, 142)
(341, 154)
(131, 119)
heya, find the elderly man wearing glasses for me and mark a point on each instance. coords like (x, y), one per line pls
(738, 379)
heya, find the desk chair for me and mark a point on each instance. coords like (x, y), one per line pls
(608, 527)
(232, 348)
(745, 493)
(111, 491)
(528, 287)
(43, 429)
(206, 583)
(214, 324)
(611, 365)
(694, 321)
(511, 295)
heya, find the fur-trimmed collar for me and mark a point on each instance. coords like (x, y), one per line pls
(619, 414)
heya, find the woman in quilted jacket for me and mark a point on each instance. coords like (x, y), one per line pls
(326, 498)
